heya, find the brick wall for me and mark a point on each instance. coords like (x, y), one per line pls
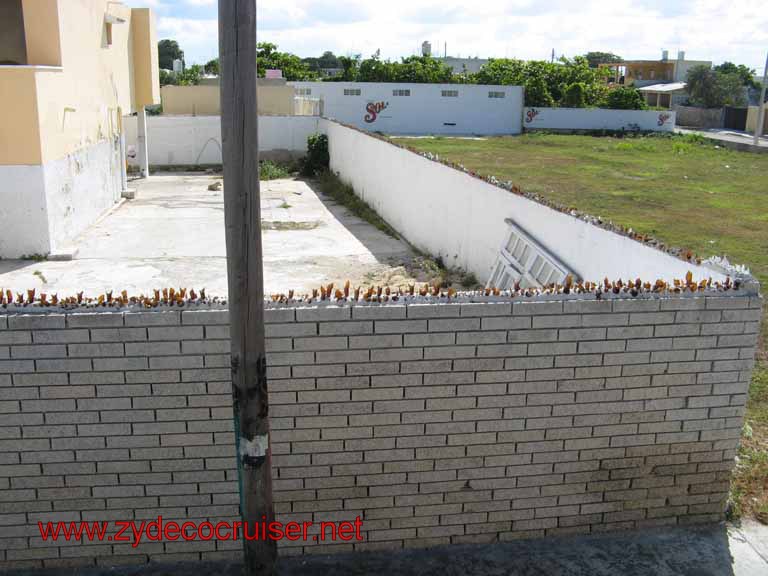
(436, 423)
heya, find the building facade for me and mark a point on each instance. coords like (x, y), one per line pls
(70, 70)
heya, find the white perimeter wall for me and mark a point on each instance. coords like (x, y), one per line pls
(597, 119)
(425, 111)
(445, 212)
(190, 140)
(44, 207)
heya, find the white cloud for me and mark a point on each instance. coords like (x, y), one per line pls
(714, 30)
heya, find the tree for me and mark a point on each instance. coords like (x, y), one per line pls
(625, 98)
(190, 76)
(167, 78)
(374, 69)
(595, 58)
(212, 67)
(746, 74)
(350, 66)
(575, 96)
(167, 52)
(328, 60)
(269, 58)
(537, 93)
(422, 70)
(712, 88)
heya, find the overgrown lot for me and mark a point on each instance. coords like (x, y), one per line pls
(684, 190)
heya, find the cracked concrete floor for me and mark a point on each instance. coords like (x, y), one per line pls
(172, 234)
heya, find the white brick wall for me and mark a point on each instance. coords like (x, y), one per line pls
(436, 423)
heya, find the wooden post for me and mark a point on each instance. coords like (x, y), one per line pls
(242, 217)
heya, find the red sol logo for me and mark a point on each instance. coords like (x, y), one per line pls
(373, 110)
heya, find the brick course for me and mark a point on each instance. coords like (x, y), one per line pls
(437, 423)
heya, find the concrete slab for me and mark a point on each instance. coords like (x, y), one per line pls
(172, 234)
(703, 551)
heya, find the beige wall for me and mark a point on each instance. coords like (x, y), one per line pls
(752, 114)
(82, 103)
(19, 136)
(203, 100)
(145, 58)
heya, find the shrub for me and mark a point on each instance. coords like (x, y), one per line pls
(575, 96)
(317, 159)
(625, 98)
(270, 171)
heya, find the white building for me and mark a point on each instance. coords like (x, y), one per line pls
(396, 108)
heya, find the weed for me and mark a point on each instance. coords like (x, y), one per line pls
(285, 205)
(41, 276)
(269, 170)
(35, 257)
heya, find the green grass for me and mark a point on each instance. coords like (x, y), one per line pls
(749, 487)
(681, 189)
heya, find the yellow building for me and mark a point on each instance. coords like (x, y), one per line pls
(274, 97)
(69, 71)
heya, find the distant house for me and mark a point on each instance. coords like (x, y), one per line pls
(664, 95)
(69, 73)
(640, 73)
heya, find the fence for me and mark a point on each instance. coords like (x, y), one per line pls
(587, 119)
(196, 140)
(433, 422)
(699, 117)
(464, 219)
(395, 108)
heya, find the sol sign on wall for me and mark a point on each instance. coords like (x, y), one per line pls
(373, 109)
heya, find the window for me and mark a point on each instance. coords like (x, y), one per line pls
(450, 93)
(522, 259)
(352, 91)
(652, 74)
(108, 33)
(13, 46)
(400, 92)
(303, 91)
(496, 94)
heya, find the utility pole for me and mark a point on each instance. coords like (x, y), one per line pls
(245, 275)
(761, 111)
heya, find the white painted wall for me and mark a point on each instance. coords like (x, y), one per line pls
(425, 111)
(190, 140)
(446, 212)
(79, 188)
(44, 207)
(23, 214)
(537, 118)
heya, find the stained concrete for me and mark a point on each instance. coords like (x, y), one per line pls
(172, 234)
(703, 551)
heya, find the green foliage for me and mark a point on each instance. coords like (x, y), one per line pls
(351, 66)
(713, 88)
(537, 93)
(317, 159)
(595, 58)
(575, 96)
(545, 83)
(268, 170)
(190, 76)
(212, 67)
(167, 52)
(746, 74)
(625, 98)
(167, 78)
(269, 58)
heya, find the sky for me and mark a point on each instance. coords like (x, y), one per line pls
(716, 30)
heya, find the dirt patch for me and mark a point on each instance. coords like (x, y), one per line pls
(288, 225)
